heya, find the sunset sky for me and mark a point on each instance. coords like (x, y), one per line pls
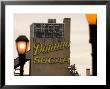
(80, 47)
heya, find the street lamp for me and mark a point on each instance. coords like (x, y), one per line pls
(92, 21)
(22, 44)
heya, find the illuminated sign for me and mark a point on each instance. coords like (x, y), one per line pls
(40, 48)
(60, 60)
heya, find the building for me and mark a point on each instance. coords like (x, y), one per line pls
(50, 48)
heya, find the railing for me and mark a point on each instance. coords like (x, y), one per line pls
(16, 67)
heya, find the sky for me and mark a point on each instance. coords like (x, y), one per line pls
(80, 47)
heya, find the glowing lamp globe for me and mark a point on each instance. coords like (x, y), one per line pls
(92, 19)
(22, 44)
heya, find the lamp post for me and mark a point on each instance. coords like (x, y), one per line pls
(22, 44)
(92, 21)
